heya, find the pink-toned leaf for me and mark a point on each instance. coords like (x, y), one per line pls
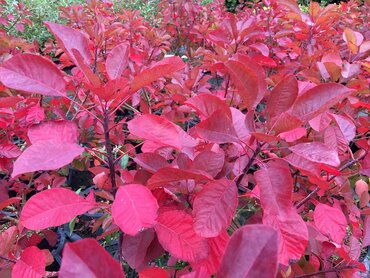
(331, 222)
(217, 247)
(217, 128)
(53, 146)
(117, 60)
(33, 74)
(334, 138)
(86, 70)
(246, 82)
(154, 272)
(366, 237)
(347, 127)
(165, 67)
(8, 240)
(282, 96)
(134, 208)
(303, 164)
(317, 152)
(53, 207)
(70, 39)
(319, 99)
(207, 104)
(252, 251)
(293, 135)
(160, 130)
(31, 264)
(176, 234)
(134, 248)
(86, 258)
(209, 162)
(9, 150)
(276, 185)
(214, 207)
(167, 175)
(151, 162)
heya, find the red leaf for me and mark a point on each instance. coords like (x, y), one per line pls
(117, 60)
(331, 222)
(176, 234)
(53, 146)
(32, 74)
(31, 264)
(282, 96)
(134, 248)
(319, 99)
(217, 247)
(151, 162)
(8, 240)
(70, 39)
(86, 258)
(160, 130)
(209, 162)
(246, 82)
(207, 104)
(317, 152)
(53, 207)
(214, 207)
(165, 67)
(217, 128)
(366, 237)
(154, 272)
(276, 185)
(293, 135)
(134, 208)
(167, 175)
(9, 151)
(252, 251)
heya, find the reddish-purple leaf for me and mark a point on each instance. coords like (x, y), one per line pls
(282, 96)
(9, 150)
(117, 60)
(217, 128)
(217, 246)
(276, 185)
(176, 234)
(209, 162)
(366, 237)
(134, 208)
(32, 74)
(214, 207)
(293, 135)
(134, 248)
(317, 152)
(70, 39)
(252, 251)
(319, 99)
(86, 258)
(207, 104)
(53, 207)
(53, 146)
(151, 162)
(161, 131)
(331, 222)
(31, 264)
(8, 240)
(167, 175)
(154, 272)
(165, 67)
(246, 82)
(347, 127)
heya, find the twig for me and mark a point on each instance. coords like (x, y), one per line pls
(317, 189)
(246, 168)
(7, 259)
(334, 269)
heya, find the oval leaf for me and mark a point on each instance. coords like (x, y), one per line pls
(134, 208)
(117, 60)
(31, 264)
(176, 234)
(214, 207)
(53, 207)
(33, 74)
(86, 258)
(331, 222)
(252, 251)
(319, 99)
